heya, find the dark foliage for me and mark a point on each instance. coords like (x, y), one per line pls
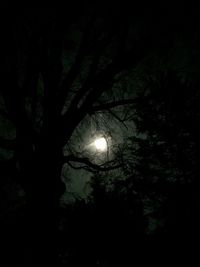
(56, 63)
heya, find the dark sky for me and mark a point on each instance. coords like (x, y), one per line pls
(62, 67)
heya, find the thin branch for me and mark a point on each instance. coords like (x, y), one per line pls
(75, 68)
(118, 118)
(88, 165)
(85, 89)
(109, 105)
(100, 83)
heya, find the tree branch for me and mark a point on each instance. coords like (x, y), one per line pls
(75, 68)
(118, 118)
(89, 166)
(109, 105)
(101, 82)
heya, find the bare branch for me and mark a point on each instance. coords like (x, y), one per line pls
(118, 118)
(89, 166)
(109, 105)
(75, 68)
(101, 82)
(85, 89)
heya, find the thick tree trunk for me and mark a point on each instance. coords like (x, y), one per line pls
(44, 189)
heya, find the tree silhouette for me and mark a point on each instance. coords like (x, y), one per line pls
(51, 79)
(162, 163)
(55, 67)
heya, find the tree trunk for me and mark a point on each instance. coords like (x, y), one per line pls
(44, 189)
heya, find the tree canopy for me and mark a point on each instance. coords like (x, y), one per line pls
(130, 74)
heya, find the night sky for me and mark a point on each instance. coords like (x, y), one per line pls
(99, 135)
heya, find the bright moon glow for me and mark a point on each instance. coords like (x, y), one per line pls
(100, 144)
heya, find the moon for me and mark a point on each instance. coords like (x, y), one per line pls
(101, 144)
